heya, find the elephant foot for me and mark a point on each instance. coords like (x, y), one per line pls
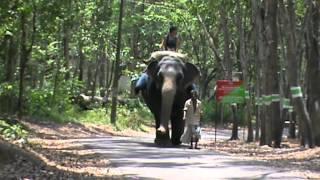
(162, 142)
(162, 139)
(161, 129)
(176, 142)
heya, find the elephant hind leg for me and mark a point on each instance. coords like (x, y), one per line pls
(177, 125)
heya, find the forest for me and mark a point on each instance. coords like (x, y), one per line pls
(78, 61)
(67, 61)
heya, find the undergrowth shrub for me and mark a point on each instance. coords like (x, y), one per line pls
(12, 132)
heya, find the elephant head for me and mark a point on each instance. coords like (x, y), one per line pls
(171, 75)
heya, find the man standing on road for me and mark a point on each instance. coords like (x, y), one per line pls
(191, 116)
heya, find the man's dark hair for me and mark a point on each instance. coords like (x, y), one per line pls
(195, 92)
(173, 28)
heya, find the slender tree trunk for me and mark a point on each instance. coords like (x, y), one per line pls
(10, 59)
(56, 81)
(274, 124)
(102, 74)
(226, 37)
(259, 11)
(89, 77)
(228, 61)
(243, 62)
(235, 123)
(96, 73)
(293, 67)
(81, 63)
(23, 60)
(108, 74)
(256, 18)
(313, 71)
(292, 127)
(66, 39)
(10, 50)
(117, 68)
(102, 77)
(25, 52)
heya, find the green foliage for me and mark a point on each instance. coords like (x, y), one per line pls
(212, 113)
(12, 132)
(134, 116)
(8, 89)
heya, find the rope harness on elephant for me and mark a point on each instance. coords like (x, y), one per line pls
(158, 55)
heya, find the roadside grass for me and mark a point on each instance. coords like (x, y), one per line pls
(12, 132)
(134, 115)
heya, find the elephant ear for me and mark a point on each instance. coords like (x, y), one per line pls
(152, 69)
(191, 74)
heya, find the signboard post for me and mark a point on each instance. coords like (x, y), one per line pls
(229, 92)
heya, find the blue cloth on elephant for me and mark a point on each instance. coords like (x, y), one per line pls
(141, 83)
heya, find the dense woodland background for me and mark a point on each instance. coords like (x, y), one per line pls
(52, 51)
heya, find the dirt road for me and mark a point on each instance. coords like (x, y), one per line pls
(139, 158)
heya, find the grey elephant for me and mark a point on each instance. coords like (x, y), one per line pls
(170, 81)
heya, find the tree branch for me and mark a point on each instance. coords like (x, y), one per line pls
(211, 43)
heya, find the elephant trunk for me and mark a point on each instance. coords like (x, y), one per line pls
(168, 93)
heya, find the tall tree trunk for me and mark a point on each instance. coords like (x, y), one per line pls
(102, 74)
(23, 61)
(258, 56)
(274, 124)
(293, 66)
(96, 73)
(226, 38)
(313, 69)
(259, 10)
(244, 62)
(10, 59)
(66, 38)
(10, 56)
(56, 81)
(117, 68)
(235, 122)
(89, 77)
(25, 52)
(108, 74)
(228, 61)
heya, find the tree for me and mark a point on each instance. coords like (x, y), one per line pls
(117, 68)
(293, 66)
(313, 71)
(25, 50)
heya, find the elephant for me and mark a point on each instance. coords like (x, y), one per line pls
(169, 85)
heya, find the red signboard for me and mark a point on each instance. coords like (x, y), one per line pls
(224, 88)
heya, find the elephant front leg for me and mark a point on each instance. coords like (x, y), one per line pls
(162, 138)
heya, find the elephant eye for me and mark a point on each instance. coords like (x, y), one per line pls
(179, 77)
(160, 76)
